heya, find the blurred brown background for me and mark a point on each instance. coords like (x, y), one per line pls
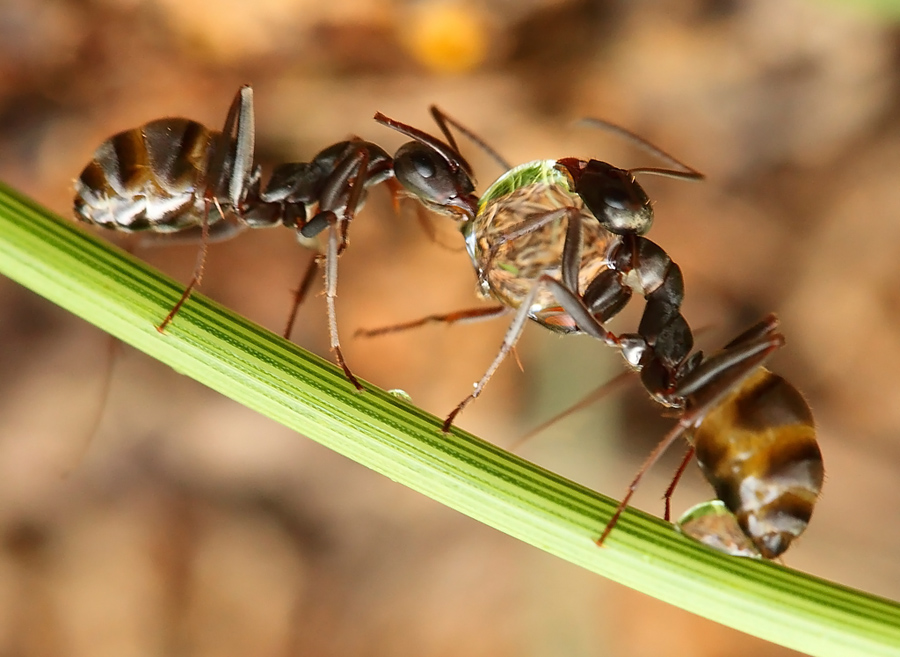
(192, 526)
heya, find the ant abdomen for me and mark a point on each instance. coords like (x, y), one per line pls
(758, 449)
(151, 178)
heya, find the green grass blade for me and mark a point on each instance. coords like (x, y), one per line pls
(124, 297)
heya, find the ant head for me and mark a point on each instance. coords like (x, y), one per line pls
(612, 195)
(433, 172)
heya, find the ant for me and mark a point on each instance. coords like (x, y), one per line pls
(543, 227)
(752, 431)
(165, 178)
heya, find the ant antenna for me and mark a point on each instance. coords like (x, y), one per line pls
(447, 151)
(681, 171)
(443, 119)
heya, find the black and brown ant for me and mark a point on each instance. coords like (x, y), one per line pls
(561, 241)
(174, 176)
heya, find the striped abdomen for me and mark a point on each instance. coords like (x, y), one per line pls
(758, 449)
(151, 178)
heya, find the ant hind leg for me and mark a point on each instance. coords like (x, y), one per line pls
(300, 293)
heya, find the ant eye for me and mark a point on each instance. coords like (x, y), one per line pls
(429, 176)
(616, 199)
(423, 164)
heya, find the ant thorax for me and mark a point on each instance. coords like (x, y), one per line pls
(511, 245)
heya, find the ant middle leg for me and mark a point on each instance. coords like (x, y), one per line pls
(331, 274)
(455, 317)
(335, 199)
(702, 389)
(667, 496)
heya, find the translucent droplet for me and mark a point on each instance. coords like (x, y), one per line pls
(400, 394)
(714, 525)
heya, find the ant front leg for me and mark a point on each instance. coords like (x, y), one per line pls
(565, 292)
(342, 192)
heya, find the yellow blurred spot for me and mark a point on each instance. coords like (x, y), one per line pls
(446, 37)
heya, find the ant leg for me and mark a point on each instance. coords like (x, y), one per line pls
(566, 293)
(571, 255)
(300, 294)
(594, 395)
(717, 377)
(350, 172)
(568, 290)
(724, 371)
(113, 350)
(761, 329)
(397, 193)
(219, 231)
(531, 224)
(458, 316)
(512, 336)
(575, 307)
(197, 276)
(677, 431)
(238, 165)
(336, 210)
(427, 227)
(569, 301)
(667, 496)
(331, 273)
